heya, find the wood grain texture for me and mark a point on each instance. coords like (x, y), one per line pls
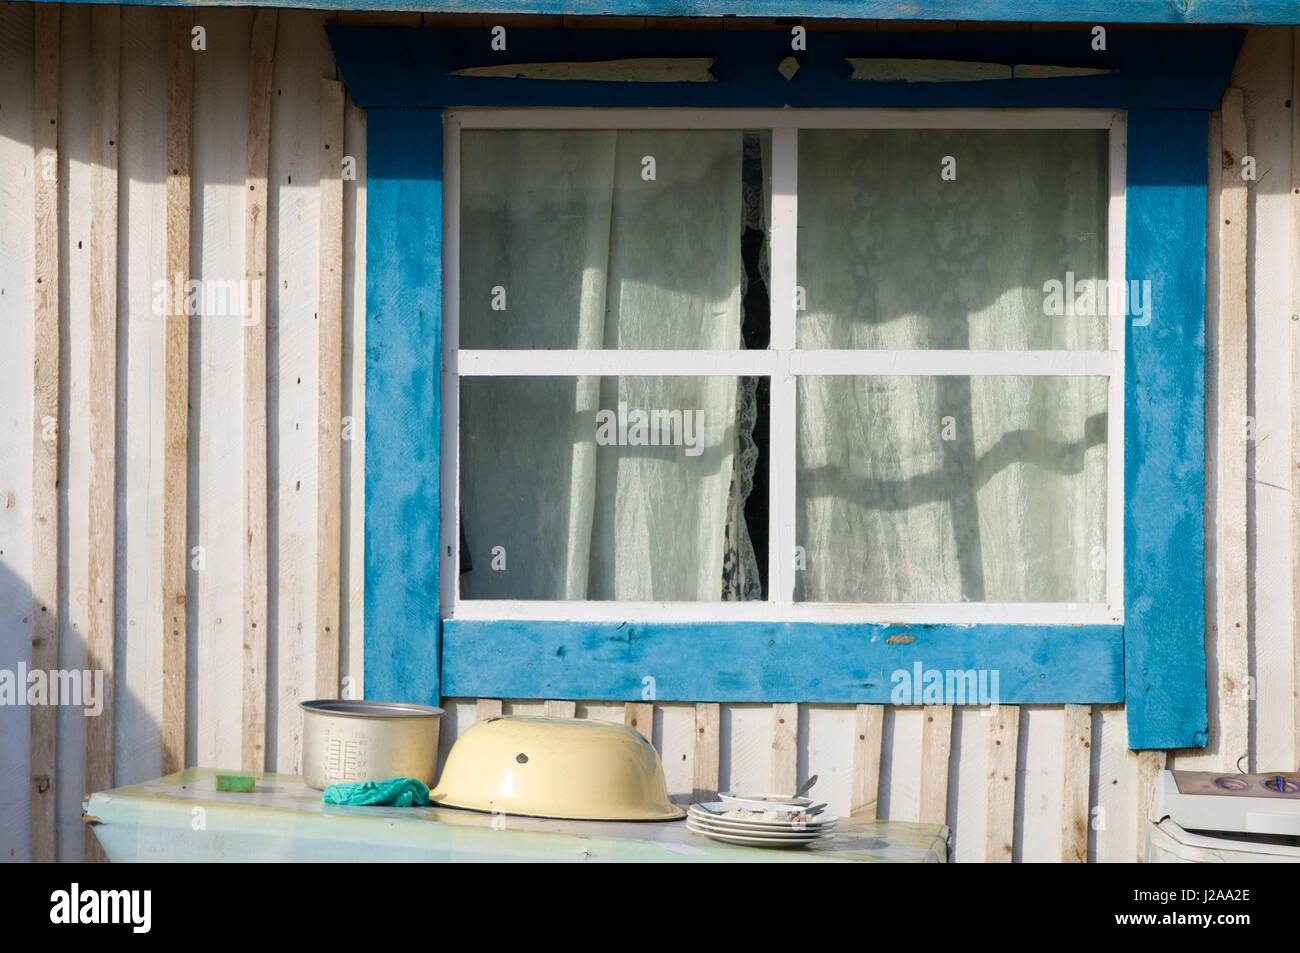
(261, 60)
(1003, 750)
(176, 391)
(766, 661)
(641, 716)
(1149, 765)
(106, 65)
(1155, 70)
(936, 753)
(45, 429)
(868, 734)
(329, 456)
(708, 752)
(560, 709)
(1231, 592)
(1076, 775)
(486, 708)
(1164, 432)
(785, 749)
(403, 458)
(1295, 400)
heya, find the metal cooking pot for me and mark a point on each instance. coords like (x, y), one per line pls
(345, 740)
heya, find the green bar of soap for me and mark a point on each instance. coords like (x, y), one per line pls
(242, 783)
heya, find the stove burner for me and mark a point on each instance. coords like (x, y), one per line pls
(1278, 784)
(1229, 783)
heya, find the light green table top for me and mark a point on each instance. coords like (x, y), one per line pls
(182, 817)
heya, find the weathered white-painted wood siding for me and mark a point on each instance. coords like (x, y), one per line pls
(1016, 782)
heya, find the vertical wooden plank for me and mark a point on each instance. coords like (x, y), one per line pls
(708, 751)
(936, 752)
(487, 708)
(1164, 430)
(253, 745)
(641, 716)
(868, 732)
(176, 389)
(1114, 794)
(1004, 744)
(329, 392)
(404, 174)
(141, 361)
(1038, 784)
(216, 506)
(560, 709)
(300, 574)
(76, 183)
(1149, 765)
(45, 428)
(1076, 776)
(1265, 73)
(19, 168)
(1230, 474)
(1295, 398)
(105, 60)
(785, 749)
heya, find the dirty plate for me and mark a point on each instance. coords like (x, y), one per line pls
(763, 802)
(711, 812)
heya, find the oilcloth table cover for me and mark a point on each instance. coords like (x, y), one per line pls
(182, 817)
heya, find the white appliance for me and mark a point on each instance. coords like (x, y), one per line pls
(1213, 817)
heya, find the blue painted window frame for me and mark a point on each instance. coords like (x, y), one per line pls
(1154, 662)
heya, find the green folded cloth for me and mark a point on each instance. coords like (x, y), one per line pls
(394, 792)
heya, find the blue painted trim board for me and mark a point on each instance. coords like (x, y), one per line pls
(778, 662)
(1256, 12)
(390, 66)
(1164, 433)
(403, 395)
(1160, 649)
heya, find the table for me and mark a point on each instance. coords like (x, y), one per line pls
(183, 817)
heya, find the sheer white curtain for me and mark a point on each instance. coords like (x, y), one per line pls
(949, 489)
(588, 245)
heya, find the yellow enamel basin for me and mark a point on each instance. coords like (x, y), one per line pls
(571, 768)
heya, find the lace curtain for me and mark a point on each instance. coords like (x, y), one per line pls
(950, 489)
(599, 239)
(909, 488)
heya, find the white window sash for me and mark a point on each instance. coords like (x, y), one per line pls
(783, 362)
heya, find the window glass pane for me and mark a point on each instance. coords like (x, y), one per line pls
(894, 252)
(952, 489)
(591, 239)
(626, 488)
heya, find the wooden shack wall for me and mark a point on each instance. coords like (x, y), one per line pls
(1034, 783)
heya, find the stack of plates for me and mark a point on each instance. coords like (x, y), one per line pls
(773, 827)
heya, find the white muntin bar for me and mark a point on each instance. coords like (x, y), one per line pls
(540, 363)
(449, 556)
(1116, 268)
(546, 363)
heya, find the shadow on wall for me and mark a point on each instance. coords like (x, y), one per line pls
(216, 244)
(77, 694)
